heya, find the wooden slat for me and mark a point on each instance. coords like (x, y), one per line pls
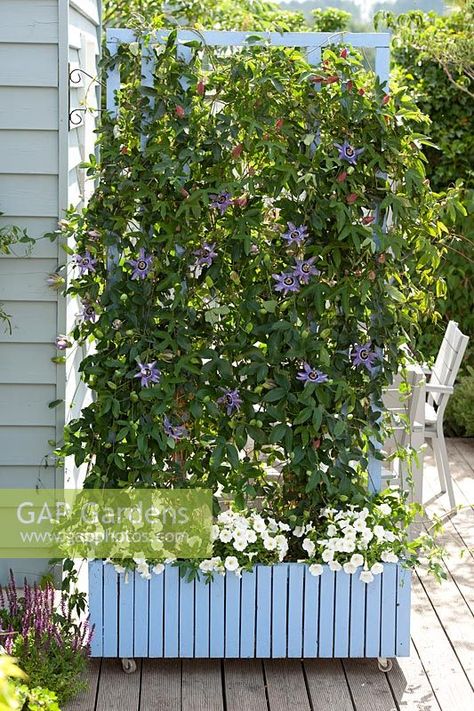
(110, 611)
(388, 620)
(27, 405)
(156, 623)
(373, 616)
(441, 664)
(24, 279)
(244, 685)
(29, 21)
(171, 607)
(202, 685)
(28, 108)
(28, 65)
(141, 610)
(29, 195)
(307, 626)
(25, 445)
(369, 687)
(95, 605)
(201, 629)
(126, 621)
(264, 618)
(27, 363)
(326, 612)
(32, 322)
(280, 609)
(403, 612)
(357, 617)
(410, 686)
(161, 685)
(327, 685)
(232, 615)
(186, 618)
(341, 615)
(116, 689)
(295, 610)
(217, 617)
(247, 621)
(285, 685)
(33, 152)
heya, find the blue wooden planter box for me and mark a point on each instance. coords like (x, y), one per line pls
(274, 611)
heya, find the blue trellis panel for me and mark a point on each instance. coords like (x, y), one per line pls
(273, 611)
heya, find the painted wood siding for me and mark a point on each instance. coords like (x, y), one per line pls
(39, 178)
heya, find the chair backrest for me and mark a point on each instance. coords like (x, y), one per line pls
(448, 360)
(406, 408)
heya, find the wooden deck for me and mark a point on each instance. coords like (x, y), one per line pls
(439, 675)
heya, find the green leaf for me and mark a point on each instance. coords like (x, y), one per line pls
(275, 394)
(278, 432)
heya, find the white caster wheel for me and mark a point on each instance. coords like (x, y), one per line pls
(129, 665)
(384, 665)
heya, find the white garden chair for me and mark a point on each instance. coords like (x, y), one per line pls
(406, 411)
(438, 389)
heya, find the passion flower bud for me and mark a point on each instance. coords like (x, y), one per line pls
(184, 192)
(93, 235)
(351, 198)
(344, 53)
(386, 99)
(200, 88)
(361, 92)
(241, 201)
(55, 281)
(372, 275)
(179, 111)
(368, 219)
(62, 343)
(342, 176)
(331, 80)
(279, 124)
(124, 150)
(316, 79)
(237, 150)
(316, 443)
(381, 258)
(349, 85)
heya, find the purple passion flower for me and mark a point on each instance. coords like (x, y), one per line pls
(85, 262)
(364, 355)
(304, 269)
(221, 202)
(175, 432)
(311, 375)
(205, 254)
(88, 312)
(148, 374)
(141, 266)
(348, 153)
(295, 235)
(286, 283)
(231, 399)
(62, 343)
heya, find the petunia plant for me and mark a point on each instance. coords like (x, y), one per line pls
(260, 245)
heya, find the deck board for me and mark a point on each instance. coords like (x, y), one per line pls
(438, 676)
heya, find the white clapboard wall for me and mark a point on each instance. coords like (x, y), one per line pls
(39, 178)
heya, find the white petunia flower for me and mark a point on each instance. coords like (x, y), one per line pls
(308, 546)
(376, 569)
(259, 524)
(332, 530)
(269, 543)
(327, 555)
(283, 526)
(298, 531)
(272, 525)
(389, 557)
(357, 560)
(251, 536)
(335, 566)
(206, 566)
(366, 576)
(385, 509)
(214, 532)
(158, 568)
(379, 531)
(231, 563)
(316, 569)
(225, 535)
(349, 568)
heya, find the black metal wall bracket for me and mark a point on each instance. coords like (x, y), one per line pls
(76, 115)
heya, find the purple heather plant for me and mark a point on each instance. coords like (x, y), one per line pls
(348, 153)
(221, 202)
(205, 254)
(141, 266)
(364, 355)
(311, 375)
(148, 373)
(295, 235)
(286, 283)
(176, 432)
(231, 399)
(304, 269)
(85, 262)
